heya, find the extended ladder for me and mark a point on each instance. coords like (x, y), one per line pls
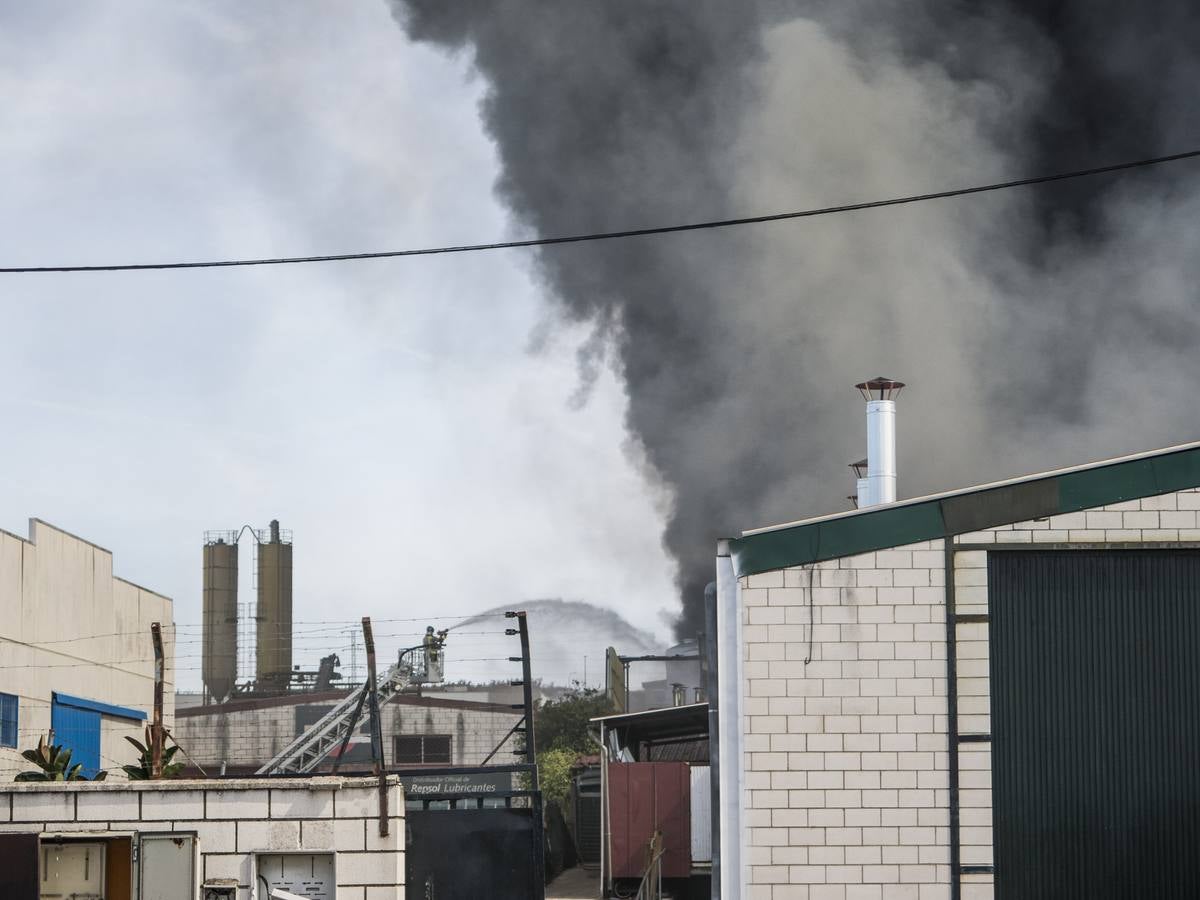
(307, 751)
(423, 664)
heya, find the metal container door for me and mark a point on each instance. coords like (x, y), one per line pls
(1095, 688)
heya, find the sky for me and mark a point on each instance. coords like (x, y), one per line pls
(415, 423)
(453, 434)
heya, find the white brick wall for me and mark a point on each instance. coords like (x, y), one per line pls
(845, 721)
(234, 821)
(846, 753)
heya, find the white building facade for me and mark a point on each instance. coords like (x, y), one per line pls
(864, 656)
(76, 655)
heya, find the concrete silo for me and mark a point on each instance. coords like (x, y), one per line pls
(274, 650)
(219, 639)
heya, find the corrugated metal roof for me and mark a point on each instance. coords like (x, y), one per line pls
(970, 509)
(666, 714)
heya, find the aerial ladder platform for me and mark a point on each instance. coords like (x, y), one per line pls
(415, 666)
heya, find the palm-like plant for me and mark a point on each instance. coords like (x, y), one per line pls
(54, 761)
(142, 771)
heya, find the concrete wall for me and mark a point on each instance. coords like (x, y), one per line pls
(250, 733)
(846, 763)
(234, 820)
(68, 625)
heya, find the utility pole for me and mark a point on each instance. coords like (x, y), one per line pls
(530, 751)
(156, 727)
(527, 705)
(376, 727)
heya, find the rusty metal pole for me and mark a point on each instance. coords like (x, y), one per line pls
(376, 727)
(527, 676)
(156, 727)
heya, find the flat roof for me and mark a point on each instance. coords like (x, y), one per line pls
(961, 511)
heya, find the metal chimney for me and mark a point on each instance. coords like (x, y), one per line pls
(880, 394)
(859, 497)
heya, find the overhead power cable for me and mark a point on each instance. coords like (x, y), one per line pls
(611, 235)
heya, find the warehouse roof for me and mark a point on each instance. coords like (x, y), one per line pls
(971, 509)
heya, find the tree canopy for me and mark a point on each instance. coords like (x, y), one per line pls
(562, 723)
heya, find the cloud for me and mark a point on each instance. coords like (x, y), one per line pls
(388, 413)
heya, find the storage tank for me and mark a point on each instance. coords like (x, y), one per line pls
(219, 638)
(274, 650)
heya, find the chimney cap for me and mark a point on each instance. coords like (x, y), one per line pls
(880, 388)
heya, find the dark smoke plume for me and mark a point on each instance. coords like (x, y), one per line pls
(1036, 328)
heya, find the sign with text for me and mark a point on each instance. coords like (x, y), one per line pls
(468, 785)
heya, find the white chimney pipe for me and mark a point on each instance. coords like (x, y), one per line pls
(880, 487)
(881, 452)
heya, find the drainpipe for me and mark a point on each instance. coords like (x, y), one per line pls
(732, 756)
(712, 688)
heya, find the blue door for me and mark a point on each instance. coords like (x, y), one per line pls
(79, 730)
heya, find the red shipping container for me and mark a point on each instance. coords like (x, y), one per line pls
(644, 797)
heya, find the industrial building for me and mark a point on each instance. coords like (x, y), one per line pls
(76, 656)
(243, 735)
(240, 727)
(983, 693)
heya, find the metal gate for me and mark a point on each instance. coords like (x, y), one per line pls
(1095, 685)
(471, 834)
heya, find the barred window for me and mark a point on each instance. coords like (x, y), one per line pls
(421, 748)
(8, 720)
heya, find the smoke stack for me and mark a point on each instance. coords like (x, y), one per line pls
(880, 394)
(859, 497)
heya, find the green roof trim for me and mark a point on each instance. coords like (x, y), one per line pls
(1035, 497)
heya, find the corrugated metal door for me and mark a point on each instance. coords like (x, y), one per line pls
(631, 816)
(672, 810)
(645, 797)
(78, 729)
(1095, 682)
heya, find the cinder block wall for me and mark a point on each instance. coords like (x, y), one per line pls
(845, 720)
(234, 820)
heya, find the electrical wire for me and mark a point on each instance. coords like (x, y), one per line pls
(612, 235)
